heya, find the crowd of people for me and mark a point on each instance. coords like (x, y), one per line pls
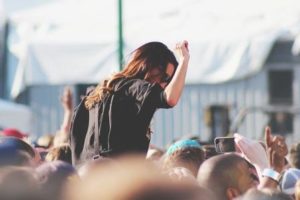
(131, 169)
(185, 170)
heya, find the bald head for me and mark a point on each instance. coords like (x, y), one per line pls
(223, 172)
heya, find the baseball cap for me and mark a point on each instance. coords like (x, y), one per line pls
(289, 180)
(11, 132)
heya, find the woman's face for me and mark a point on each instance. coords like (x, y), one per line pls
(162, 78)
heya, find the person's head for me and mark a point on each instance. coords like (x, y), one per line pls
(131, 179)
(294, 156)
(18, 183)
(228, 175)
(15, 152)
(45, 141)
(54, 177)
(152, 62)
(62, 152)
(184, 153)
(264, 194)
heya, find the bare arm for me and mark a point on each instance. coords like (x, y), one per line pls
(67, 103)
(175, 87)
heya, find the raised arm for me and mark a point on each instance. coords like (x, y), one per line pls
(67, 103)
(277, 150)
(174, 88)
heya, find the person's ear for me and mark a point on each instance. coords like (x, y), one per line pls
(232, 193)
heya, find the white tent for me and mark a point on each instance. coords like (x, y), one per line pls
(69, 41)
(14, 115)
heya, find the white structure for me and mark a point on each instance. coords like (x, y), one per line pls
(229, 39)
(17, 116)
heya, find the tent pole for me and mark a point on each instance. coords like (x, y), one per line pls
(120, 35)
(3, 58)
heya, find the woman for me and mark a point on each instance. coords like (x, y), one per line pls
(127, 101)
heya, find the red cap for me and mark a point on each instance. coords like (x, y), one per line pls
(13, 133)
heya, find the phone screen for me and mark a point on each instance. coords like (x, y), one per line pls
(224, 144)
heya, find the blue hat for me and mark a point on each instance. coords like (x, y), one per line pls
(182, 144)
(11, 149)
(289, 180)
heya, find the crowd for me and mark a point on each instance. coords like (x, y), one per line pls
(187, 169)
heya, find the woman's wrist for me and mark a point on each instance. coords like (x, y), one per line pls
(184, 60)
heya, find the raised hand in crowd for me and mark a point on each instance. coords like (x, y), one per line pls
(67, 99)
(67, 104)
(276, 148)
(269, 156)
(173, 90)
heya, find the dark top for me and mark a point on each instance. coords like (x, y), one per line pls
(132, 109)
(123, 120)
(126, 116)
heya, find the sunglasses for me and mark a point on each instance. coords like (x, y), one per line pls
(163, 77)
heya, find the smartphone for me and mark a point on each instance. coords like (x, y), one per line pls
(224, 144)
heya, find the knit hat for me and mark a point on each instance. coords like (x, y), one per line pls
(289, 180)
(182, 144)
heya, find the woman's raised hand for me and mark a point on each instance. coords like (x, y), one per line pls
(182, 50)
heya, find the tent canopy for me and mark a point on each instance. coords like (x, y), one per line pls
(67, 42)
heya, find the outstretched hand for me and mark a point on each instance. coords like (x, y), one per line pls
(66, 99)
(276, 150)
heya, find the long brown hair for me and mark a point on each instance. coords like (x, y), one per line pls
(145, 58)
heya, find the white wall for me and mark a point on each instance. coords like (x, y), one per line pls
(188, 116)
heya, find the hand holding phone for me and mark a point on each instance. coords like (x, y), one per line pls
(224, 144)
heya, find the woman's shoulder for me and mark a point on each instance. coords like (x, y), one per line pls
(132, 82)
(136, 87)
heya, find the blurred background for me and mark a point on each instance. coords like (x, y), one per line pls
(244, 71)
